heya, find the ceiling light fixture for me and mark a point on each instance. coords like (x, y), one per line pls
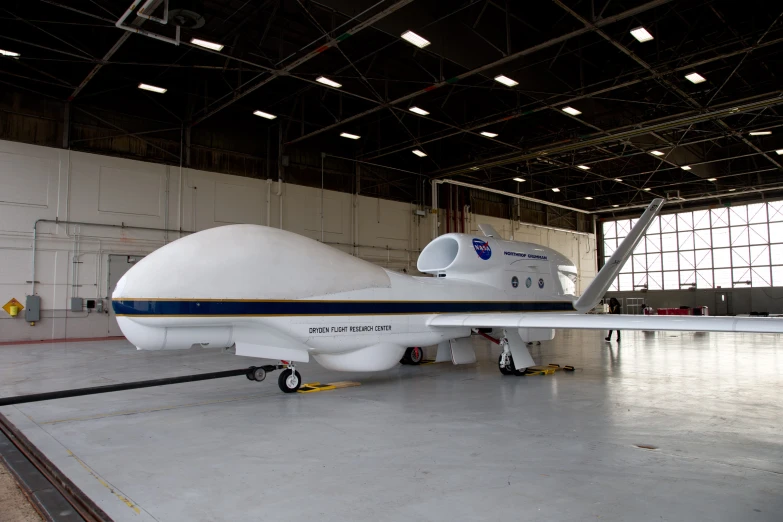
(732, 190)
(418, 111)
(712, 179)
(648, 189)
(10, 54)
(505, 80)
(265, 115)
(327, 81)
(159, 90)
(415, 39)
(206, 44)
(571, 111)
(761, 133)
(349, 136)
(685, 167)
(779, 152)
(615, 206)
(695, 78)
(656, 153)
(555, 189)
(519, 180)
(583, 167)
(618, 180)
(641, 34)
(474, 168)
(589, 197)
(489, 134)
(419, 153)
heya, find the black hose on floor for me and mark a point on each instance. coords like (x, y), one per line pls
(36, 397)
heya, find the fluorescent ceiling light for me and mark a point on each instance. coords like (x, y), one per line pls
(615, 206)
(761, 133)
(648, 189)
(571, 111)
(159, 90)
(712, 179)
(685, 167)
(555, 189)
(418, 111)
(419, 153)
(9, 53)
(583, 167)
(520, 180)
(474, 168)
(588, 197)
(618, 180)
(265, 115)
(505, 80)
(732, 190)
(349, 136)
(641, 34)
(415, 39)
(656, 153)
(695, 78)
(206, 44)
(327, 81)
(779, 152)
(489, 134)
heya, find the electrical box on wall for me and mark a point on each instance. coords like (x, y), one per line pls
(32, 308)
(77, 303)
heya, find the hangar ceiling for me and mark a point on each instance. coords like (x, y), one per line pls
(637, 120)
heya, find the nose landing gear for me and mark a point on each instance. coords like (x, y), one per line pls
(289, 380)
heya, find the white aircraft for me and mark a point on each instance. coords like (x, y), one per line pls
(278, 295)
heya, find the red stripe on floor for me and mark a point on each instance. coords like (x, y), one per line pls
(70, 340)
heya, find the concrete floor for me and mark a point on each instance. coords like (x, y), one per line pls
(435, 442)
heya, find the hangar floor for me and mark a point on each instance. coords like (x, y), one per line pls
(434, 442)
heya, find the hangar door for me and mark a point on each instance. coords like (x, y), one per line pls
(118, 265)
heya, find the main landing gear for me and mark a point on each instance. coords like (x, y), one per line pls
(413, 355)
(289, 380)
(505, 360)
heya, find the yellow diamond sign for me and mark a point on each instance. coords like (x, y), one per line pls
(14, 303)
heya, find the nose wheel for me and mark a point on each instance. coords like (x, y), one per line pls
(289, 380)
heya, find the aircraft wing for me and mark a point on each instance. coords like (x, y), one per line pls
(612, 322)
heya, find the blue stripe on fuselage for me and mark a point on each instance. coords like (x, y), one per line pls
(142, 307)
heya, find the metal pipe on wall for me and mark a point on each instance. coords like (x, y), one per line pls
(82, 223)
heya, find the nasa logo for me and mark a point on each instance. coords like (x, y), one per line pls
(528, 282)
(482, 249)
(540, 283)
(514, 282)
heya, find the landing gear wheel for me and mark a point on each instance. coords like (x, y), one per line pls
(259, 374)
(504, 370)
(249, 373)
(289, 381)
(413, 355)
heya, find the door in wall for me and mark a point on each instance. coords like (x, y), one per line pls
(723, 303)
(118, 265)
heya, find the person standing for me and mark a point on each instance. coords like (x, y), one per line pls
(614, 308)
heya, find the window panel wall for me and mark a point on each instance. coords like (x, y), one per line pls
(736, 247)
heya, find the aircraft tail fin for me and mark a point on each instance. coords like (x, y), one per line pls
(609, 272)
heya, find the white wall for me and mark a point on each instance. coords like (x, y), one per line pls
(46, 183)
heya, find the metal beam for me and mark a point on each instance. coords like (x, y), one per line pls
(285, 71)
(549, 104)
(496, 63)
(680, 120)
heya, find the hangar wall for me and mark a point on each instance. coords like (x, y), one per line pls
(73, 260)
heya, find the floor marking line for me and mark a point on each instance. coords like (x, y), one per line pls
(128, 502)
